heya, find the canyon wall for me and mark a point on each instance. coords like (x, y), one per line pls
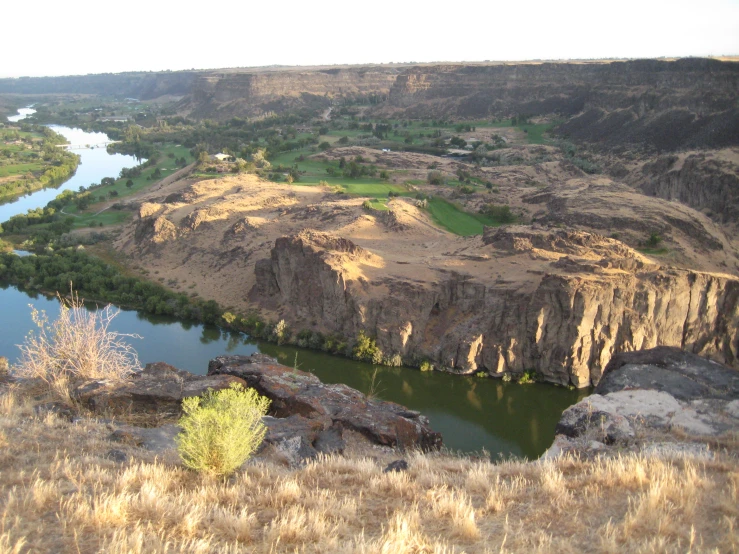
(225, 94)
(565, 321)
(660, 104)
(706, 181)
(663, 105)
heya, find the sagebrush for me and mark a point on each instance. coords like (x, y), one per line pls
(221, 429)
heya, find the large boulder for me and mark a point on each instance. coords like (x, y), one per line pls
(653, 391)
(683, 375)
(295, 392)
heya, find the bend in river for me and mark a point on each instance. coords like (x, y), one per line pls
(94, 164)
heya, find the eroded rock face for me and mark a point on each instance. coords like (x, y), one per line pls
(592, 297)
(703, 180)
(315, 407)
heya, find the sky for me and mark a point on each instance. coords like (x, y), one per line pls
(77, 37)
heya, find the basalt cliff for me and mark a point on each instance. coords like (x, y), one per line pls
(587, 298)
(661, 105)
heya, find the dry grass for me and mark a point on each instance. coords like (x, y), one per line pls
(58, 493)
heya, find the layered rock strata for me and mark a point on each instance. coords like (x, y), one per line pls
(585, 298)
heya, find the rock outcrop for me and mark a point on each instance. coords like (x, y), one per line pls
(612, 208)
(704, 180)
(157, 391)
(590, 298)
(323, 410)
(645, 395)
(306, 417)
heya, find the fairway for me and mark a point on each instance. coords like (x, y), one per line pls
(457, 221)
(315, 172)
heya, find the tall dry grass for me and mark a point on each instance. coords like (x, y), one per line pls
(59, 493)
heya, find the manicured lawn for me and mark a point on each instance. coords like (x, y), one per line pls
(456, 220)
(108, 217)
(379, 204)
(374, 190)
(315, 171)
(535, 133)
(16, 169)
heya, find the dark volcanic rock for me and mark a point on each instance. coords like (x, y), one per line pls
(117, 456)
(397, 465)
(295, 392)
(579, 419)
(330, 441)
(157, 390)
(684, 375)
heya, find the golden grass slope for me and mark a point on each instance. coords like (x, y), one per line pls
(59, 493)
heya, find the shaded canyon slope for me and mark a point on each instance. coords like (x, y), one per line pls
(662, 105)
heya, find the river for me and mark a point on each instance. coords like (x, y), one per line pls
(471, 413)
(95, 164)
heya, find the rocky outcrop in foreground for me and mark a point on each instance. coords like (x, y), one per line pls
(299, 394)
(644, 396)
(305, 417)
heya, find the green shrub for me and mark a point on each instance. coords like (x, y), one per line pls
(221, 429)
(502, 214)
(436, 178)
(653, 240)
(366, 350)
(395, 360)
(527, 377)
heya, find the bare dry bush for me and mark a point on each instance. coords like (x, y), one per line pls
(78, 344)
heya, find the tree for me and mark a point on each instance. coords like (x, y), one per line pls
(129, 183)
(324, 145)
(435, 178)
(344, 140)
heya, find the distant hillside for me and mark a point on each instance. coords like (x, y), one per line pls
(662, 105)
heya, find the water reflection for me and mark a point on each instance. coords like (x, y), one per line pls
(471, 413)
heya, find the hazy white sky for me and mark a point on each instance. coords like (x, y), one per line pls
(85, 36)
